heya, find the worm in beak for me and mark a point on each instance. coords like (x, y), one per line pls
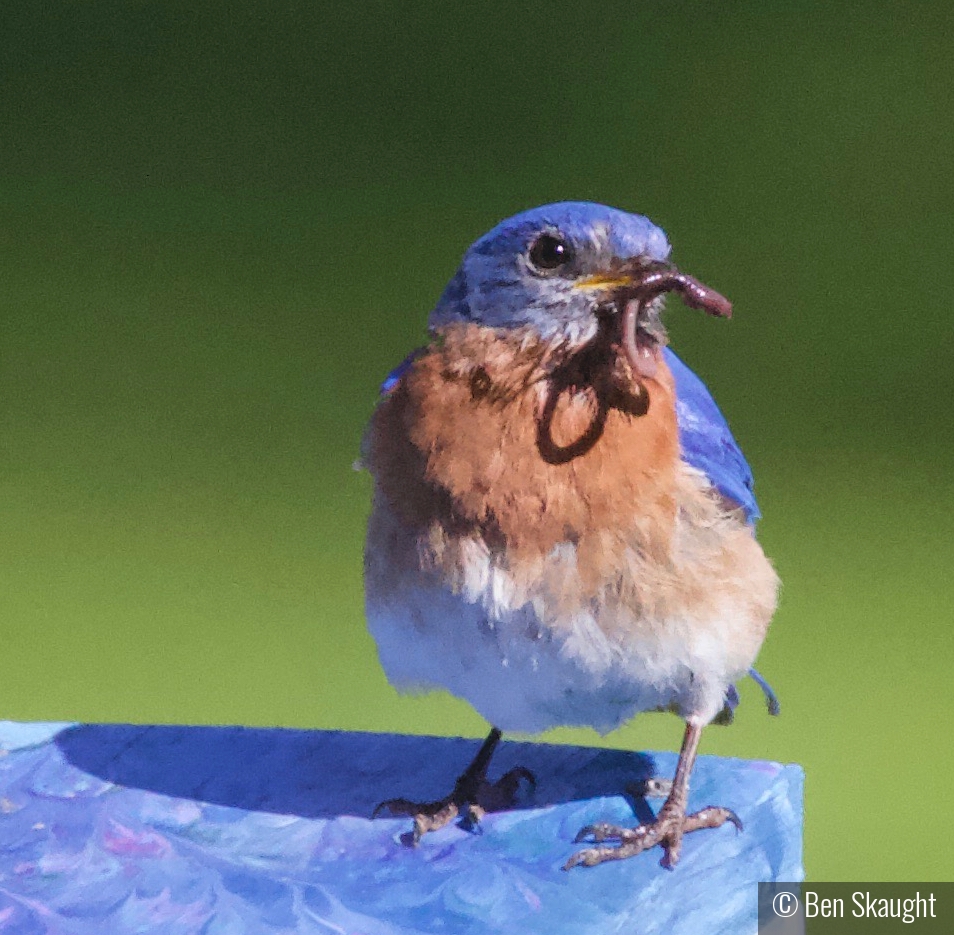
(640, 349)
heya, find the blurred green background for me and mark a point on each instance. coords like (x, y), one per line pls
(220, 228)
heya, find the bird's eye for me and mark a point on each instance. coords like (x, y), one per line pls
(549, 252)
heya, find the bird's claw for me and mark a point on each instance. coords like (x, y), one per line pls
(499, 795)
(395, 807)
(428, 816)
(470, 801)
(602, 831)
(731, 817)
(667, 831)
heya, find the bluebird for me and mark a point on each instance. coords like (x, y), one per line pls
(562, 526)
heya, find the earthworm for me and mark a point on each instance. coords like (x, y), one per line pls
(654, 283)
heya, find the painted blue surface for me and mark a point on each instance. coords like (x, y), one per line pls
(219, 831)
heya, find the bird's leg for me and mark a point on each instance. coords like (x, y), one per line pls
(670, 825)
(471, 797)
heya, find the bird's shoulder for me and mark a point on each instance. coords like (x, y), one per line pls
(706, 442)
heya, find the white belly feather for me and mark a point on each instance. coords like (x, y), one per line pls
(527, 667)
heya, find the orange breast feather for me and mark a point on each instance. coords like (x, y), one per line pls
(477, 438)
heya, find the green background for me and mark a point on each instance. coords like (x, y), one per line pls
(221, 227)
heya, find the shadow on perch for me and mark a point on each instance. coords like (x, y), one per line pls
(324, 774)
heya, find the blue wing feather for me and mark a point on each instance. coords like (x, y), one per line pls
(704, 435)
(706, 440)
(394, 377)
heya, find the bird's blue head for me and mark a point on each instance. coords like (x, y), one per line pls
(562, 268)
(549, 268)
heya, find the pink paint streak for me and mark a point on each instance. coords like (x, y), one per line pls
(118, 839)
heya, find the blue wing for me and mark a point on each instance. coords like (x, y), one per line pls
(706, 440)
(704, 435)
(394, 377)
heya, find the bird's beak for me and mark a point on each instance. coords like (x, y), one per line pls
(605, 282)
(645, 281)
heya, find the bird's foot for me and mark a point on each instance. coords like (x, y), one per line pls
(653, 788)
(667, 831)
(472, 798)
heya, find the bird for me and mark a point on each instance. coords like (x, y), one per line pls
(562, 525)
